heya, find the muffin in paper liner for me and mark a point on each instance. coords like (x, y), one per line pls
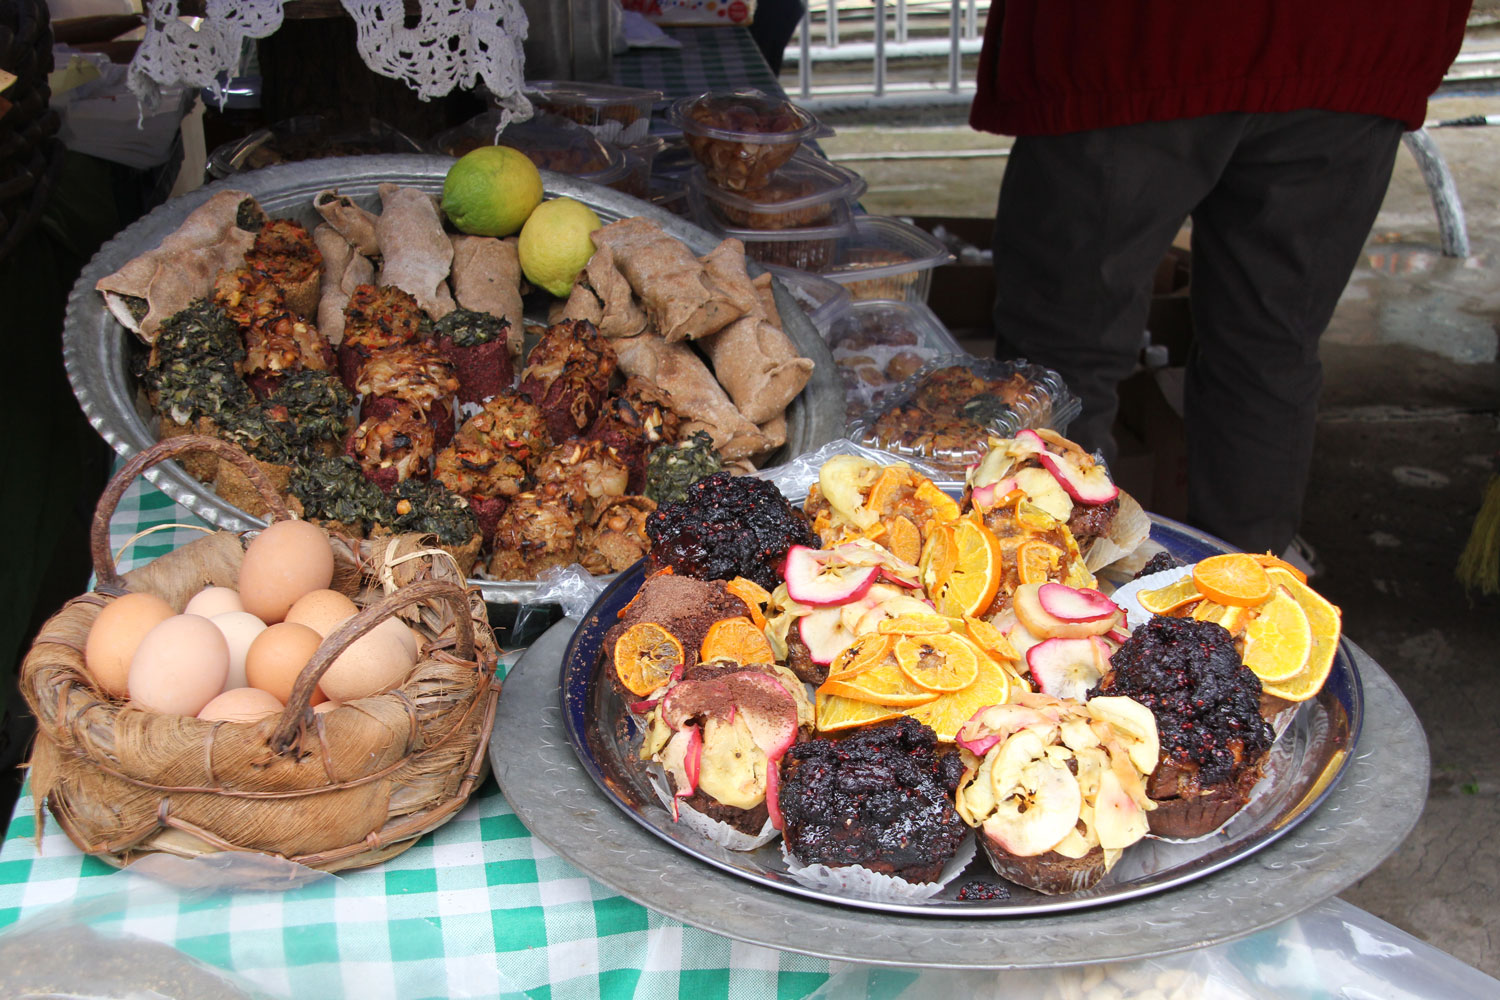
(719, 832)
(945, 413)
(857, 880)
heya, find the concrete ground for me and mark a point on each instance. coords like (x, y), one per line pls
(1408, 438)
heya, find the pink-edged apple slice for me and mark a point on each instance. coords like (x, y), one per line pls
(682, 759)
(770, 711)
(1043, 624)
(1068, 668)
(824, 634)
(1073, 604)
(773, 793)
(1028, 442)
(818, 579)
(1091, 485)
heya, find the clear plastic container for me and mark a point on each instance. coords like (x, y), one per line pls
(806, 248)
(886, 258)
(742, 136)
(621, 115)
(306, 137)
(640, 158)
(552, 142)
(879, 344)
(945, 413)
(805, 192)
(824, 301)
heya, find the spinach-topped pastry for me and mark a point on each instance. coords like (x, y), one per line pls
(476, 344)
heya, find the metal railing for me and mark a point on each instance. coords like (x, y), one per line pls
(858, 31)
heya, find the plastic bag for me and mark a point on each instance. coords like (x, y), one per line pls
(796, 477)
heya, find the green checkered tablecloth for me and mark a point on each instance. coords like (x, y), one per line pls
(477, 908)
(709, 59)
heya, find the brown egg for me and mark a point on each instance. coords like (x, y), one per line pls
(242, 704)
(377, 661)
(278, 655)
(322, 611)
(117, 632)
(212, 601)
(284, 562)
(327, 706)
(180, 666)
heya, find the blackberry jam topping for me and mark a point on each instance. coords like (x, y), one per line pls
(728, 526)
(1206, 701)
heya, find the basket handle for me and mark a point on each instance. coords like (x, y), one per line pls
(109, 500)
(343, 637)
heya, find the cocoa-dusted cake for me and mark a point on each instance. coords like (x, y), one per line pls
(1214, 740)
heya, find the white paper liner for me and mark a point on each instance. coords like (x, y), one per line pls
(719, 832)
(857, 880)
(1130, 527)
(1125, 594)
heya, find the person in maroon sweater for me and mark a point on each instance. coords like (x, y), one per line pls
(1274, 126)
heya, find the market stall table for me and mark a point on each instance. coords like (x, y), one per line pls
(709, 59)
(481, 907)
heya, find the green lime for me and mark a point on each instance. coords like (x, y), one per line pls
(555, 244)
(491, 191)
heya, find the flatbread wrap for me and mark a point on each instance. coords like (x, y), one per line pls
(487, 279)
(344, 270)
(415, 254)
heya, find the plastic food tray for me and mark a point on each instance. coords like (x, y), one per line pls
(878, 343)
(640, 158)
(885, 258)
(306, 137)
(806, 192)
(824, 301)
(805, 248)
(742, 136)
(618, 114)
(957, 435)
(552, 142)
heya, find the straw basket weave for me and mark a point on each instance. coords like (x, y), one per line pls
(342, 789)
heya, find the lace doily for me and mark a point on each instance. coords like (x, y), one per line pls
(451, 46)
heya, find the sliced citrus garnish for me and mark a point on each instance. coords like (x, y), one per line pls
(1268, 561)
(859, 656)
(1323, 619)
(888, 489)
(948, 714)
(1279, 641)
(940, 506)
(1164, 600)
(939, 556)
(903, 538)
(933, 624)
(942, 663)
(1233, 619)
(835, 713)
(736, 639)
(990, 639)
(970, 586)
(644, 657)
(753, 594)
(1037, 561)
(1233, 578)
(882, 684)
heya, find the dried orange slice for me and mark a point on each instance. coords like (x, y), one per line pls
(977, 568)
(859, 656)
(948, 713)
(914, 625)
(1234, 578)
(1324, 620)
(1279, 641)
(736, 639)
(644, 657)
(940, 507)
(1165, 600)
(939, 557)
(882, 684)
(835, 713)
(903, 538)
(1037, 561)
(753, 594)
(941, 663)
(990, 639)
(1268, 561)
(1233, 619)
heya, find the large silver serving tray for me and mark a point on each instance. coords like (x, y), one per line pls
(96, 346)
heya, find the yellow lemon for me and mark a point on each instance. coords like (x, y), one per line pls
(491, 191)
(555, 244)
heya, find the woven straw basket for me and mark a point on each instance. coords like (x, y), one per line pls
(330, 791)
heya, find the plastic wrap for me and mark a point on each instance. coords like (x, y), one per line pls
(950, 428)
(796, 477)
(571, 586)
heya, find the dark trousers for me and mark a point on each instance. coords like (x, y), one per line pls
(1281, 206)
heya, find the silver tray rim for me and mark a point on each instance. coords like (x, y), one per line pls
(1365, 818)
(93, 340)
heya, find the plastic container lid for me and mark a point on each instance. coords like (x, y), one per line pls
(616, 114)
(877, 344)
(742, 136)
(306, 137)
(805, 248)
(945, 413)
(550, 141)
(886, 258)
(801, 193)
(824, 301)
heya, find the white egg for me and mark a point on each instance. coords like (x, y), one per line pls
(212, 601)
(180, 666)
(240, 629)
